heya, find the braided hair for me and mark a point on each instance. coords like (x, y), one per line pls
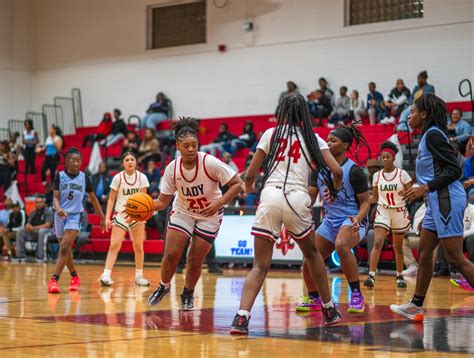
(350, 133)
(185, 126)
(72, 151)
(293, 121)
(435, 108)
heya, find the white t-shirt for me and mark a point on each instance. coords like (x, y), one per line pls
(390, 187)
(198, 187)
(299, 169)
(127, 186)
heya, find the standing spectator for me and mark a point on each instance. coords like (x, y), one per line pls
(153, 175)
(30, 141)
(38, 226)
(291, 87)
(7, 163)
(357, 107)
(319, 106)
(245, 140)
(131, 143)
(149, 148)
(15, 146)
(227, 158)
(52, 147)
(423, 87)
(327, 92)
(374, 104)
(223, 138)
(158, 112)
(396, 102)
(118, 131)
(16, 221)
(101, 184)
(102, 131)
(343, 106)
(459, 130)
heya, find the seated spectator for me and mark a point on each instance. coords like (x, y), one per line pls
(396, 102)
(101, 184)
(459, 131)
(291, 87)
(468, 175)
(227, 158)
(423, 87)
(5, 212)
(118, 131)
(16, 221)
(327, 92)
(30, 141)
(49, 194)
(131, 143)
(153, 175)
(7, 165)
(374, 104)
(83, 236)
(246, 140)
(52, 147)
(357, 107)
(223, 138)
(341, 112)
(39, 225)
(319, 106)
(149, 148)
(158, 112)
(102, 131)
(460, 157)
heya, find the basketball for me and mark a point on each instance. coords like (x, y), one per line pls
(140, 207)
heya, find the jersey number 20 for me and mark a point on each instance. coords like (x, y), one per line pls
(294, 152)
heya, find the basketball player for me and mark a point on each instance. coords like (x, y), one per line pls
(345, 222)
(438, 173)
(389, 185)
(70, 187)
(290, 150)
(197, 211)
(124, 184)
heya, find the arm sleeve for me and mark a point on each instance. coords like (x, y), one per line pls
(167, 184)
(56, 182)
(89, 188)
(405, 177)
(358, 180)
(445, 163)
(219, 170)
(115, 182)
(264, 143)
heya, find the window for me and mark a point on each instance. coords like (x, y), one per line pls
(176, 25)
(368, 11)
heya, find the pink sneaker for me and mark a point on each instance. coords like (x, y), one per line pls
(357, 304)
(309, 304)
(461, 282)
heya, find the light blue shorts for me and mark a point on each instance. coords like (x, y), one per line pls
(72, 222)
(330, 229)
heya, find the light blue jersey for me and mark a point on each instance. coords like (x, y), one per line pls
(72, 192)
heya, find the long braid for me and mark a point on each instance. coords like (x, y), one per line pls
(435, 108)
(354, 133)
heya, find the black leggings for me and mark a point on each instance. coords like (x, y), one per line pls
(30, 156)
(51, 163)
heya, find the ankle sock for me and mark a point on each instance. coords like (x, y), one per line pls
(138, 273)
(372, 274)
(313, 294)
(165, 285)
(55, 277)
(187, 292)
(74, 274)
(355, 286)
(107, 272)
(328, 305)
(244, 313)
(418, 300)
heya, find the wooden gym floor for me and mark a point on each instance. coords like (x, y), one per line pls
(117, 322)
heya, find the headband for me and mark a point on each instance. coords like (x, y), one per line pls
(343, 134)
(390, 151)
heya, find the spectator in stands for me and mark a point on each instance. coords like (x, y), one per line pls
(83, 236)
(227, 158)
(52, 147)
(342, 109)
(30, 141)
(327, 92)
(5, 212)
(102, 131)
(223, 138)
(246, 140)
(319, 106)
(16, 221)
(357, 107)
(149, 148)
(291, 87)
(37, 228)
(158, 112)
(374, 104)
(461, 158)
(423, 87)
(118, 131)
(7, 164)
(153, 175)
(396, 102)
(101, 184)
(49, 194)
(131, 143)
(459, 131)
(468, 175)
(15, 145)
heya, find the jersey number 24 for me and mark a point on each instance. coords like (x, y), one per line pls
(294, 152)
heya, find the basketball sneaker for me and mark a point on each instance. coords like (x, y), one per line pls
(53, 286)
(187, 302)
(240, 325)
(331, 315)
(74, 283)
(309, 304)
(461, 282)
(401, 283)
(105, 280)
(370, 282)
(357, 304)
(141, 281)
(410, 311)
(158, 295)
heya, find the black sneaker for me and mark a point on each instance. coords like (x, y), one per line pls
(240, 325)
(179, 269)
(401, 283)
(331, 315)
(370, 282)
(187, 302)
(216, 270)
(158, 295)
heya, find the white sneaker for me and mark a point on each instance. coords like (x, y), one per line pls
(412, 270)
(330, 125)
(409, 311)
(391, 120)
(141, 281)
(384, 121)
(105, 280)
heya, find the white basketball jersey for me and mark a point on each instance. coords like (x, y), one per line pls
(290, 156)
(391, 186)
(198, 187)
(126, 186)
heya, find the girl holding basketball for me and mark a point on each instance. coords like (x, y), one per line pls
(197, 211)
(389, 185)
(124, 184)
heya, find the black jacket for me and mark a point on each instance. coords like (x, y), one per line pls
(107, 181)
